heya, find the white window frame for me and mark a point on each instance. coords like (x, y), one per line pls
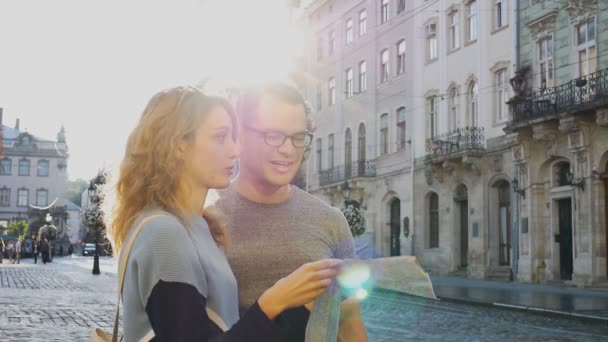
(362, 76)
(331, 42)
(384, 134)
(401, 128)
(432, 42)
(544, 54)
(319, 144)
(39, 172)
(39, 203)
(319, 95)
(330, 152)
(319, 48)
(384, 11)
(349, 31)
(454, 30)
(473, 104)
(25, 199)
(472, 13)
(331, 86)
(362, 22)
(5, 197)
(24, 167)
(385, 60)
(583, 66)
(401, 48)
(349, 82)
(500, 14)
(400, 6)
(453, 109)
(433, 120)
(501, 95)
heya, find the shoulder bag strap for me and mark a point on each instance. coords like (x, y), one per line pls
(122, 267)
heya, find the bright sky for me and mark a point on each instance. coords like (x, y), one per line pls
(93, 65)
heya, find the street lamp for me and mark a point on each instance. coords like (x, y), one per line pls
(521, 192)
(93, 202)
(346, 191)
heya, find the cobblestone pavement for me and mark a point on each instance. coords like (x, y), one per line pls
(63, 301)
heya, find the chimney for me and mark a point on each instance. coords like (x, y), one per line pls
(17, 124)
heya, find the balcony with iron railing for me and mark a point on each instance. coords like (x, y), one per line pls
(341, 173)
(577, 95)
(455, 144)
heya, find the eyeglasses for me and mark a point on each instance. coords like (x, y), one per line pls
(277, 139)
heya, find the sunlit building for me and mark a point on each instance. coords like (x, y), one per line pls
(33, 177)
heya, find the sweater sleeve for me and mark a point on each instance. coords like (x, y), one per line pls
(343, 245)
(177, 312)
(173, 291)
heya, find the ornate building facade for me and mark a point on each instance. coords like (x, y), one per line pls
(559, 135)
(33, 177)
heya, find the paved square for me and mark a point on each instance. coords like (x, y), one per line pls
(63, 301)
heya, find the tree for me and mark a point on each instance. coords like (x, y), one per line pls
(18, 228)
(74, 190)
(355, 218)
(93, 216)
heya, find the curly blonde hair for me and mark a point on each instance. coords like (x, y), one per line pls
(151, 172)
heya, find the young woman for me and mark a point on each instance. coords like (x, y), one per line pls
(178, 284)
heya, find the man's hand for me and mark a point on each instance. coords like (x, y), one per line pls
(351, 326)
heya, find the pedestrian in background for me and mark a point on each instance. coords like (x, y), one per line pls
(44, 249)
(9, 250)
(70, 250)
(18, 251)
(1, 250)
(61, 250)
(35, 250)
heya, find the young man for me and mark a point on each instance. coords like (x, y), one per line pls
(276, 227)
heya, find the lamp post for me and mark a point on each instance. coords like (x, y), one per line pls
(93, 203)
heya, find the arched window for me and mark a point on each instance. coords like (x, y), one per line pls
(384, 134)
(348, 153)
(561, 174)
(401, 128)
(453, 109)
(361, 150)
(384, 63)
(473, 105)
(504, 222)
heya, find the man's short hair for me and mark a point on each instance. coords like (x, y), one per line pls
(248, 101)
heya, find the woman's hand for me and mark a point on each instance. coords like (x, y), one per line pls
(300, 287)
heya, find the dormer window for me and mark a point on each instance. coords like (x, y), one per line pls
(25, 140)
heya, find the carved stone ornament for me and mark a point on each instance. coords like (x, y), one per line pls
(542, 133)
(567, 125)
(581, 8)
(447, 166)
(543, 26)
(523, 170)
(497, 163)
(518, 152)
(581, 157)
(574, 139)
(472, 164)
(428, 174)
(601, 117)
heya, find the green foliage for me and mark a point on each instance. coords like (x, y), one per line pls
(18, 228)
(356, 219)
(74, 190)
(93, 217)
